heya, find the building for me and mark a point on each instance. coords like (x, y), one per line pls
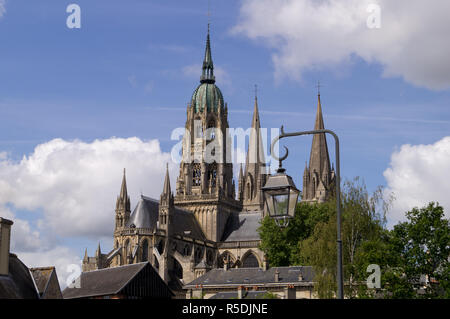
(47, 282)
(319, 176)
(19, 282)
(135, 281)
(208, 222)
(294, 282)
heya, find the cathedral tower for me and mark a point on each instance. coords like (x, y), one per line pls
(318, 178)
(205, 183)
(255, 174)
(122, 205)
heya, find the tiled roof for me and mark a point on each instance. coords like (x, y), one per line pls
(18, 284)
(246, 295)
(145, 215)
(242, 227)
(111, 281)
(41, 277)
(253, 276)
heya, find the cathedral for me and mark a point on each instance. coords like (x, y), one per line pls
(205, 221)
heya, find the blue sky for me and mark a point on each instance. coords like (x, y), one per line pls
(131, 69)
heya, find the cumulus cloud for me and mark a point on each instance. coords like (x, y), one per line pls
(74, 184)
(306, 35)
(2, 8)
(419, 174)
(69, 189)
(60, 257)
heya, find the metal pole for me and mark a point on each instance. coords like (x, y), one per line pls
(340, 278)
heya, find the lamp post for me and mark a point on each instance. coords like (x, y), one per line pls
(281, 189)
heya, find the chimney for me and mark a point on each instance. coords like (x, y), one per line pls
(5, 235)
(240, 292)
(277, 275)
(265, 264)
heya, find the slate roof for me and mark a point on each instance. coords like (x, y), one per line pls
(46, 282)
(41, 277)
(19, 283)
(234, 295)
(242, 227)
(253, 276)
(103, 282)
(109, 281)
(145, 215)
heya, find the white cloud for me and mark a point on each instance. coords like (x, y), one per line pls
(2, 8)
(419, 174)
(60, 257)
(75, 184)
(71, 187)
(309, 35)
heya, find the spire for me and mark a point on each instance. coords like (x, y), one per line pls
(85, 255)
(123, 188)
(123, 201)
(319, 158)
(98, 252)
(166, 189)
(255, 169)
(255, 154)
(208, 66)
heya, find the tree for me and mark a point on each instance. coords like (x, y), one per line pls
(280, 244)
(363, 218)
(422, 247)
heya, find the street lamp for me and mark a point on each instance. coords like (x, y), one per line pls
(282, 184)
(281, 196)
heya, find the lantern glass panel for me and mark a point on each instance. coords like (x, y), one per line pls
(293, 201)
(281, 204)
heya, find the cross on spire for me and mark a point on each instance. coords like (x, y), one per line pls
(318, 87)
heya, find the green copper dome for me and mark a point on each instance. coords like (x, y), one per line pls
(207, 95)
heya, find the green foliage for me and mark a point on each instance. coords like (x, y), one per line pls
(418, 247)
(422, 247)
(362, 220)
(269, 295)
(280, 244)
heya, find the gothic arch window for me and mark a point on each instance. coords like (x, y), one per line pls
(250, 261)
(160, 247)
(211, 130)
(177, 269)
(196, 174)
(226, 257)
(198, 254)
(127, 249)
(213, 174)
(186, 250)
(209, 257)
(198, 128)
(145, 250)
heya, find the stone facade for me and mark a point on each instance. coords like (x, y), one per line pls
(203, 225)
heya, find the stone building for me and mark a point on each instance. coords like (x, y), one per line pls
(205, 223)
(319, 176)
